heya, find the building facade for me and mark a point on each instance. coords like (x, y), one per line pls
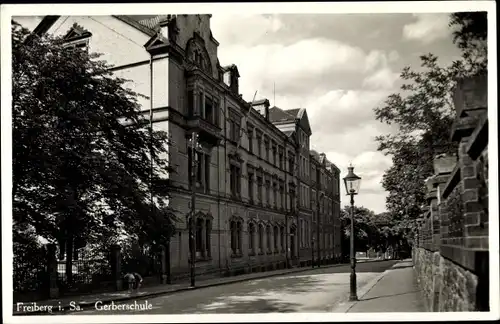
(263, 198)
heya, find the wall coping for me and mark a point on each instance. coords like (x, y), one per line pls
(479, 138)
(452, 182)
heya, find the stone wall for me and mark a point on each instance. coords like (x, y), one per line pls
(451, 255)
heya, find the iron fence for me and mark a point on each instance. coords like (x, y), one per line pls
(87, 273)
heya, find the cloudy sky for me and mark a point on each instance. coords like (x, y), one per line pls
(339, 67)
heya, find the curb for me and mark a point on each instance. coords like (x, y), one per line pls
(85, 304)
(345, 306)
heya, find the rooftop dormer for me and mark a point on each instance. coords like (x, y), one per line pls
(262, 106)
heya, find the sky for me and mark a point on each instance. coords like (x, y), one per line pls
(339, 67)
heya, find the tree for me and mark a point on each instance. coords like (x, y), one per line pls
(82, 150)
(424, 113)
(470, 35)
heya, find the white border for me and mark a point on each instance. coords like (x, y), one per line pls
(250, 8)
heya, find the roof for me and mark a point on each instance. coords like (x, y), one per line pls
(277, 114)
(132, 21)
(260, 102)
(152, 22)
(294, 112)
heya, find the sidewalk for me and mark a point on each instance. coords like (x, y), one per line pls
(64, 303)
(396, 290)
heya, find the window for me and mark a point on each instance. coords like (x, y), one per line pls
(261, 238)
(282, 237)
(281, 158)
(251, 237)
(266, 147)
(250, 186)
(302, 232)
(235, 131)
(200, 161)
(276, 237)
(209, 110)
(275, 195)
(235, 177)
(275, 160)
(208, 232)
(282, 196)
(269, 242)
(190, 103)
(259, 145)
(268, 192)
(199, 235)
(199, 168)
(259, 189)
(207, 173)
(236, 236)
(250, 139)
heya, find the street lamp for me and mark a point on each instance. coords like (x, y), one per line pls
(352, 183)
(195, 147)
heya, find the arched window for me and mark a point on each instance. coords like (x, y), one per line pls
(251, 237)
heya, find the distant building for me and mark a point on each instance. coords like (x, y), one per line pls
(257, 179)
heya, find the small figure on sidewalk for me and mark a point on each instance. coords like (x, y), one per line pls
(134, 281)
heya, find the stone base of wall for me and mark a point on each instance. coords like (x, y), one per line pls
(446, 286)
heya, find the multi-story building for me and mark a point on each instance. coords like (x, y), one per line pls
(261, 194)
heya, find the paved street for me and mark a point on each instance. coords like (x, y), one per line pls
(311, 291)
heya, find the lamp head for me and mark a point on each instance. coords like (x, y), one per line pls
(352, 181)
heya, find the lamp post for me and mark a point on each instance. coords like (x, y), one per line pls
(195, 146)
(352, 183)
(312, 245)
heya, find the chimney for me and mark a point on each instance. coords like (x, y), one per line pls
(231, 76)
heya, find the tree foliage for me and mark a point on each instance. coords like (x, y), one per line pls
(82, 150)
(471, 35)
(376, 231)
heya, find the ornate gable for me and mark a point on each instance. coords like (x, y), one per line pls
(197, 54)
(76, 32)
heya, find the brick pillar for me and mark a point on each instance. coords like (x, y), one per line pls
(52, 271)
(163, 263)
(116, 260)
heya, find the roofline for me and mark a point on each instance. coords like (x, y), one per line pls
(148, 31)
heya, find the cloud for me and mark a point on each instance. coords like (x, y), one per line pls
(244, 29)
(428, 28)
(340, 110)
(382, 79)
(290, 65)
